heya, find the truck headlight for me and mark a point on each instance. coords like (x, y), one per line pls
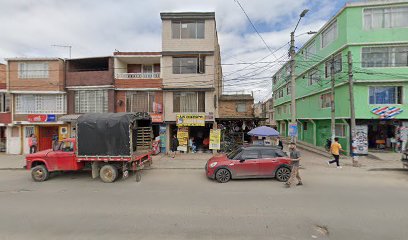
(213, 164)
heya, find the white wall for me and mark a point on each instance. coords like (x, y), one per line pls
(13, 143)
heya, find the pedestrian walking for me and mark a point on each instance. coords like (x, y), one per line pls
(335, 149)
(279, 143)
(295, 157)
(32, 143)
(174, 145)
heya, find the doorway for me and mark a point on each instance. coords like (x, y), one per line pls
(45, 138)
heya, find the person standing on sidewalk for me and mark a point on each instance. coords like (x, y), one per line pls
(295, 157)
(335, 149)
(174, 145)
(32, 143)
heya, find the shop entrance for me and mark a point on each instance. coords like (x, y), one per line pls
(201, 137)
(381, 135)
(3, 139)
(46, 136)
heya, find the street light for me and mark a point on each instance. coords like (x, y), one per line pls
(293, 123)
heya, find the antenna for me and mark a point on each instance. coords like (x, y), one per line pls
(64, 46)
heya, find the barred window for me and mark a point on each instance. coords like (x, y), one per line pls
(91, 101)
(385, 56)
(33, 70)
(40, 103)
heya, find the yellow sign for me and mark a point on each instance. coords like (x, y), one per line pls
(182, 136)
(190, 120)
(215, 139)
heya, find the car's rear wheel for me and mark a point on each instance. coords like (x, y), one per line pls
(108, 173)
(223, 175)
(40, 173)
(282, 174)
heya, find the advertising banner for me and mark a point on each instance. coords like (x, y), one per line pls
(293, 129)
(186, 120)
(156, 117)
(215, 139)
(182, 136)
(41, 118)
(361, 143)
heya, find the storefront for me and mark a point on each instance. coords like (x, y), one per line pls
(194, 127)
(234, 131)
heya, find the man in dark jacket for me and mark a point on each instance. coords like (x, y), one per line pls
(174, 145)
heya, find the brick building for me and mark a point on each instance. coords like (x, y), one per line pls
(38, 98)
(5, 114)
(90, 88)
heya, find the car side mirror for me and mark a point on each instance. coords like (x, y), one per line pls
(242, 160)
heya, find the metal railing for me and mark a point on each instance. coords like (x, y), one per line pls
(137, 75)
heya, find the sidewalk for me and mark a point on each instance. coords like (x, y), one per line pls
(12, 162)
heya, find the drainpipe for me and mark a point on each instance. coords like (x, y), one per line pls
(347, 136)
(314, 131)
(301, 129)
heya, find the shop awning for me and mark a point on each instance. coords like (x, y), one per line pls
(70, 118)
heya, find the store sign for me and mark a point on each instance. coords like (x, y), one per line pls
(156, 117)
(361, 141)
(188, 120)
(162, 132)
(215, 139)
(41, 118)
(386, 112)
(209, 116)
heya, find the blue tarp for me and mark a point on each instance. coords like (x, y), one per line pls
(263, 131)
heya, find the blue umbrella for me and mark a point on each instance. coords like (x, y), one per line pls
(263, 131)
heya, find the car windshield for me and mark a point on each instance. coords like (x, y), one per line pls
(233, 153)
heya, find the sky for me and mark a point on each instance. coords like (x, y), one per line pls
(97, 27)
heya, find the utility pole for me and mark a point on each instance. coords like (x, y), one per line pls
(333, 111)
(292, 82)
(352, 110)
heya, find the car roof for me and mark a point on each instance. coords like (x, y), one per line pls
(260, 147)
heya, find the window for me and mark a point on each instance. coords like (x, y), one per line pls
(392, 17)
(140, 101)
(41, 103)
(147, 68)
(91, 101)
(249, 154)
(4, 102)
(314, 77)
(385, 95)
(66, 146)
(269, 153)
(337, 64)
(188, 65)
(329, 35)
(340, 130)
(310, 50)
(241, 107)
(385, 56)
(189, 102)
(274, 79)
(187, 29)
(278, 110)
(28, 131)
(33, 70)
(288, 89)
(304, 126)
(289, 107)
(287, 68)
(326, 100)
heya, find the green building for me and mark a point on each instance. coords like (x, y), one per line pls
(376, 34)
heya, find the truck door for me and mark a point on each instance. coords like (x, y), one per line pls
(63, 158)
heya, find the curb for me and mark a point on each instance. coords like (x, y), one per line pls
(13, 169)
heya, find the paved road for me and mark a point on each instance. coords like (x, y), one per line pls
(346, 203)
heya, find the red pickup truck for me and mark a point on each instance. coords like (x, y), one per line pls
(106, 144)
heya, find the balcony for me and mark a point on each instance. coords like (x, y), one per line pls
(137, 75)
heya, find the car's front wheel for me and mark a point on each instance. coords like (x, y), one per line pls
(39, 173)
(282, 174)
(223, 175)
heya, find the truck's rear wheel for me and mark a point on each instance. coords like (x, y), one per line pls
(108, 173)
(40, 173)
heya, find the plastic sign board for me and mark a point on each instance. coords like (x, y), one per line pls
(387, 112)
(215, 139)
(156, 117)
(182, 136)
(361, 142)
(293, 129)
(188, 120)
(41, 118)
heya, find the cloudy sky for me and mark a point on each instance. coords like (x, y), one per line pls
(98, 27)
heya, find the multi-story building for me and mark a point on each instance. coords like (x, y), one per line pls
(375, 32)
(268, 113)
(90, 88)
(38, 101)
(191, 73)
(138, 85)
(5, 114)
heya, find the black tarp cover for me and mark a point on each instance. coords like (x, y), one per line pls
(105, 134)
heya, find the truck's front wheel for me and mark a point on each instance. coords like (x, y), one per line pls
(108, 173)
(40, 173)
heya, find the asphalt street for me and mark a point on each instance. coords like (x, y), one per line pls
(348, 203)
